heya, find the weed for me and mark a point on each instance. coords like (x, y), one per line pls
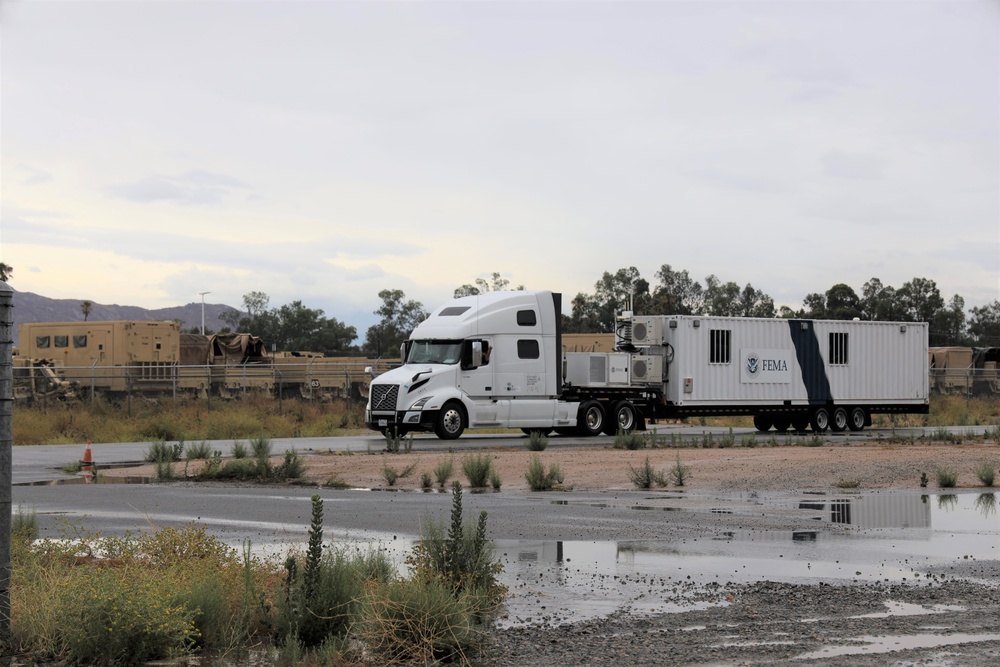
(239, 450)
(476, 468)
(495, 481)
(396, 442)
(848, 484)
(24, 525)
(161, 451)
(679, 473)
(815, 440)
(334, 481)
(707, 441)
(992, 433)
(163, 470)
(631, 440)
(946, 478)
(646, 477)
(443, 472)
(540, 479)
(749, 441)
(986, 472)
(537, 442)
(197, 452)
(941, 434)
(727, 440)
(426, 482)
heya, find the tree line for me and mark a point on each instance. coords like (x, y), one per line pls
(674, 292)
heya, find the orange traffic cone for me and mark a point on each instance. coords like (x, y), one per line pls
(88, 463)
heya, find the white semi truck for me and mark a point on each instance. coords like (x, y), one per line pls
(497, 360)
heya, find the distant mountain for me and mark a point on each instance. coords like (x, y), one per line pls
(30, 307)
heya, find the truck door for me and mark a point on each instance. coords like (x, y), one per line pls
(477, 382)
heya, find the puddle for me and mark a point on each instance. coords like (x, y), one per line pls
(889, 644)
(895, 609)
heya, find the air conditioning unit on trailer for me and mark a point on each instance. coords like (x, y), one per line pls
(647, 368)
(647, 330)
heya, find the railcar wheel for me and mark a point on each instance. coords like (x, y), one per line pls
(820, 420)
(839, 422)
(857, 419)
(590, 420)
(450, 421)
(762, 423)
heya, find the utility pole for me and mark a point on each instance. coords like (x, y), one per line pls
(6, 456)
(203, 311)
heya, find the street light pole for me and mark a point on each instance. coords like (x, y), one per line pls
(203, 311)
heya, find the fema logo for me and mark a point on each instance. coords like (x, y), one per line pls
(753, 364)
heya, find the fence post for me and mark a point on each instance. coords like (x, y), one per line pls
(6, 455)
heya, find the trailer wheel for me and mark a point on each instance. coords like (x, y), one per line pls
(857, 419)
(450, 421)
(820, 420)
(590, 419)
(623, 418)
(800, 424)
(781, 424)
(762, 423)
(839, 422)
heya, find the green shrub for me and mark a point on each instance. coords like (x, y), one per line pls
(476, 468)
(749, 441)
(946, 478)
(645, 477)
(632, 440)
(537, 441)
(727, 440)
(680, 473)
(426, 482)
(200, 451)
(161, 451)
(944, 435)
(291, 468)
(495, 480)
(419, 621)
(239, 450)
(986, 472)
(24, 525)
(540, 479)
(395, 443)
(443, 472)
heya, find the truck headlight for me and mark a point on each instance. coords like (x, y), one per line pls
(419, 405)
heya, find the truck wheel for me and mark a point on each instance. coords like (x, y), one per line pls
(590, 419)
(839, 422)
(800, 424)
(857, 420)
(820, 420)
(762, 423)
(623, 418)
(450, 421)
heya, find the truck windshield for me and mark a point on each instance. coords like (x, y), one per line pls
(435, 352)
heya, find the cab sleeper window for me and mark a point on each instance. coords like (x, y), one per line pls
(527, 349)
(452, 311)
(526, 318)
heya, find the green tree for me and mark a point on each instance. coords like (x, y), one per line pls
(842, 303)
(6, 271)
(399, 319)
(255, 304)
(676, 293)
(879, 302)
(813, 306)
(948, 326)
(984, 324)
(920, 300)
(85, 308)
(497, 283)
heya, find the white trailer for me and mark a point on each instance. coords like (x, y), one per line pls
(497, 360)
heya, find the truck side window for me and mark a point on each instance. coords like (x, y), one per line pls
(527, 349)
(838, 348)
(526, 318)
(42, 342)
(719, 346)
(61, 341)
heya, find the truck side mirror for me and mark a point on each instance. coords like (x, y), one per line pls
(472, 355)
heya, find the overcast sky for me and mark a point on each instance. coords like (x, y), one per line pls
(324, 151)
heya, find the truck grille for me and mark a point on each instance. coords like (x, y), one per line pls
(384, 396)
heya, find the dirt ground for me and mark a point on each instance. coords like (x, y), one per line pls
(868, 465)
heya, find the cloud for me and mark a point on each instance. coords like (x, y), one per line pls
(192, 188)
(852, 165)
(35, 176)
